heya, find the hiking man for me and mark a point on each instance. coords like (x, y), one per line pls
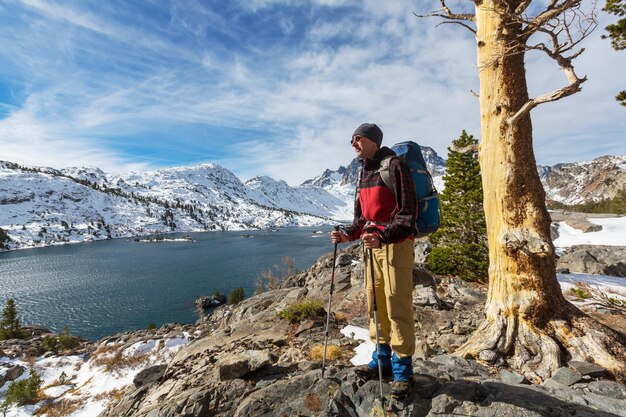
(385, 222)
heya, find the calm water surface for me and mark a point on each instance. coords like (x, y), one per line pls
(102, 288)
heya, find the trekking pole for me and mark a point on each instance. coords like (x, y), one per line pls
(375, 308)
(330, 298)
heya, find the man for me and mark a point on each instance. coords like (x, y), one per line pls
(384, 219)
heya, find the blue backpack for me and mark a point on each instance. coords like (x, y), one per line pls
(428, 206)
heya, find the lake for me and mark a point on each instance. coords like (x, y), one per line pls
(101, 288)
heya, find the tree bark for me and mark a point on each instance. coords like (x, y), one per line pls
(528, 321)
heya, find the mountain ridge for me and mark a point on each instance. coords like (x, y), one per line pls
(42, 206)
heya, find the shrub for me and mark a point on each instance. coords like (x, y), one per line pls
(272, 278)
(464, 260)
(580, 293)
(24, 391)
(67, 341)
(236, 296)
(151, 326)
(50, 344)
(305, 309)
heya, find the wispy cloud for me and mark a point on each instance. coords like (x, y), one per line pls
(266, 87)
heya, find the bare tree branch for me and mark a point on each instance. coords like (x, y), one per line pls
(445, 13)
(574, 83)
(551, 12)
(468, 27)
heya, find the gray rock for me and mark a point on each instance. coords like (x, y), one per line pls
(421, 249)
(450, 360)
(554, 230)
(566, 376)
(149, 375)
(14, 372)
(238, 365)
(553, 384)
(583, 225)
(512, 377)
(606, 404)
(421, 276)
(422, 349)
(487, 355)
(596, 259)
(344, 260)
(586, 368)
(425, 386)
(608, 389)
(425, 296)
(451, 342)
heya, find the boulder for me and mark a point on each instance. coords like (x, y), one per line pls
(210, 301)
(566, 376)
(149, 375)
(14, 372)
(241, 364)
(583, 225)
(421, 249)
(608, 389)
(586, 368)
(600, 260)
(425, 296)
(512, 377)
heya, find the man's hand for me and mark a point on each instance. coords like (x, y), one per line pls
(338, 237)
(371, 240)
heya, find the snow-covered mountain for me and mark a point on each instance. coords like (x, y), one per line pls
(582, 182)
(571, 183)
(43, 206)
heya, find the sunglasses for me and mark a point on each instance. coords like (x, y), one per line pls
(356, 138)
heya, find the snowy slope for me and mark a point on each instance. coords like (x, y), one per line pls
(43, 206)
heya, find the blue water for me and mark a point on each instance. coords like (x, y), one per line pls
(101, 288)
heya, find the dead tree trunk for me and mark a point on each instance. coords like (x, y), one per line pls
(528, 321)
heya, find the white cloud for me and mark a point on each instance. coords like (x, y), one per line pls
(85, 85)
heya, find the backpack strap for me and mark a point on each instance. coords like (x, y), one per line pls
(385, 175)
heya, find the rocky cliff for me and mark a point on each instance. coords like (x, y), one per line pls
(246, 361)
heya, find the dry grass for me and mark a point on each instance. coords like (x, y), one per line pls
(111, 396)
(333, 353)
(313, 402)
(62, 407)
(112, 358)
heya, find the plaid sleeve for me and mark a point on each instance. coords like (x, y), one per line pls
(356, 228)
(402, 223)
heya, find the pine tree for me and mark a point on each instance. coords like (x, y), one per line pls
(10, 324)
(460, 244)
(237, 295)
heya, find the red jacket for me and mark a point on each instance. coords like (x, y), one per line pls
(393, 214)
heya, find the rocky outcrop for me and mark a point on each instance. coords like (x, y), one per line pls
(601, 260)
(580, 182)
(246, 361)
(206, 301)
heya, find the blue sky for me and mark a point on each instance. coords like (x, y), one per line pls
(265, 87)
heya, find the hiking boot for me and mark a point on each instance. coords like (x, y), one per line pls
(400, 389)
(366, 373)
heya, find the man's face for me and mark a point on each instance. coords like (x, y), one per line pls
(364, 147)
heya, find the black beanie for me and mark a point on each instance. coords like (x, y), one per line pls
(370, 131)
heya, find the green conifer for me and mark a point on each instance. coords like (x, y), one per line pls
(460, 244)
(237, 295)
(10, 324)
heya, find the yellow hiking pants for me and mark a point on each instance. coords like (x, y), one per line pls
(393, 276)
